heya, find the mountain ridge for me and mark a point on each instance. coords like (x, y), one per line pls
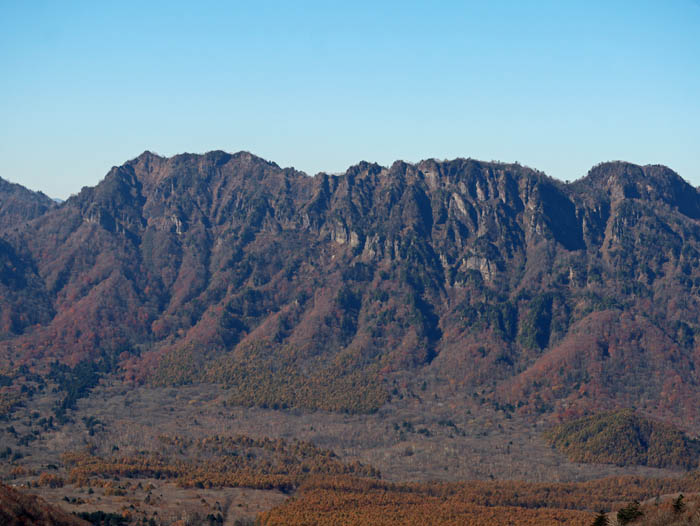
(21, 204)
(475, 274)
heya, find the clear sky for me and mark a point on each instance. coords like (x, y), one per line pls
(556, 85)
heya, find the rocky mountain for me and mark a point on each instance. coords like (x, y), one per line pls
(334, 291)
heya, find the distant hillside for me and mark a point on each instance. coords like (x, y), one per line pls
(17, 204)
(625, 438)
(333, 292)
(18, 509)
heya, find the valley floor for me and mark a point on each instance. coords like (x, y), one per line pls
(413, 439)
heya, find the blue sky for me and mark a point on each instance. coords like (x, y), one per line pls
(557, 85)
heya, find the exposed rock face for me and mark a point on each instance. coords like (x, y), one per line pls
(559, 295)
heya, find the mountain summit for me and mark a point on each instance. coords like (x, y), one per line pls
(325, 291)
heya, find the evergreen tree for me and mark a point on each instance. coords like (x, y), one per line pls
(678, 505)
(601, 519)
(629, 513)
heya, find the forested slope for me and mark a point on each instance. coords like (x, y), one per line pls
(321, 291)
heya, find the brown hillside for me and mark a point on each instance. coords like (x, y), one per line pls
(301, 291)
(18, 509)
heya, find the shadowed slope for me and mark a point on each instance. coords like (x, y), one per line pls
(323, 291)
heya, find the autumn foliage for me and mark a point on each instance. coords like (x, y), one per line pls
(625, 438)
(347, 501)
(298, 291)
(218, 461)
